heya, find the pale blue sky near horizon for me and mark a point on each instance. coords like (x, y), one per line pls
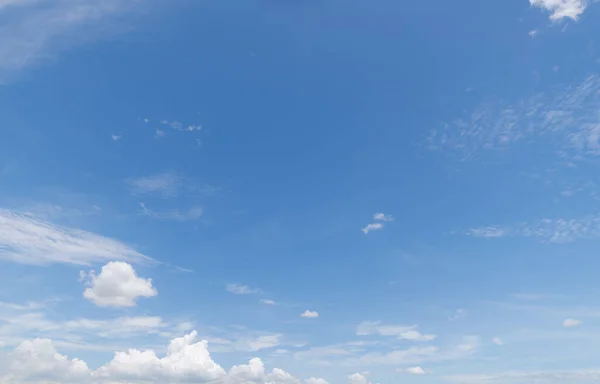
(419, 179)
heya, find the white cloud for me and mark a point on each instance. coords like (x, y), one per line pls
(35, 30)
(357, 378)
(116, 137)
(372, 227)
(26, 239)
(382, 217)
(310, 314)
(413, 371)
(560, 9)
(403, 332)
(570, 323)
(186, 360)
(268, 302)
(193, 213)
(313, 380)
(178, 126)
(117, 285)
(38, 361)
(497, 341)
(238, 289)
(533, 33)
(459, 313)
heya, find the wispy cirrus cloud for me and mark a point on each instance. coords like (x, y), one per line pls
(26, 239)
(566, 120)
(551, 230)
(168, 185)
(37, 30)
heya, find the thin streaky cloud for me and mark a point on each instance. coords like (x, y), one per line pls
(37, 30)
(238, 289)
(383, 217)
(570, 323)
(189, 214)
(26, 239)
(372, 227)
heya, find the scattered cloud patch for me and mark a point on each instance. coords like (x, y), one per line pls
(402, 332)
(166, 185)
(413, 371)
(551, 230)
(570, 323)
(561, 9)
(378, 225)
(583, 376)
(497, 341)
(357, 378)
(533, 33)
(310, 314)
(176, 125)
(117, 285)
(26, 239)
(238, 289)
(268, 302)
(115, 137)
(459, 313)
(563, 119)
(382, 217)
(313, 380)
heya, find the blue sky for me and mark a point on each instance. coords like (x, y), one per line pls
(278, 191)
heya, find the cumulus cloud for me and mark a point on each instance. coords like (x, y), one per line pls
(310, 314)
(238, 289)
(27, 239)
(403, 332)
(357, 378)
(413, 371)
(570, 323)
(186, 360)
(561, 9)
(117, 285)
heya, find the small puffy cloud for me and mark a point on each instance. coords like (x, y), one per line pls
(268, 302)
(117, 285)
(497, 341)
(413, 371)
(313, 380)
(238, 289)
(372, 227)
(570, 323)
(382, 217)
(310, 314)
(115, 137)
(561, 9)
(357, 378)
(533, 33)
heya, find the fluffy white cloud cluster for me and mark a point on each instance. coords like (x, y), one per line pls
(117, 285)
(560, 9)
(187, 360)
